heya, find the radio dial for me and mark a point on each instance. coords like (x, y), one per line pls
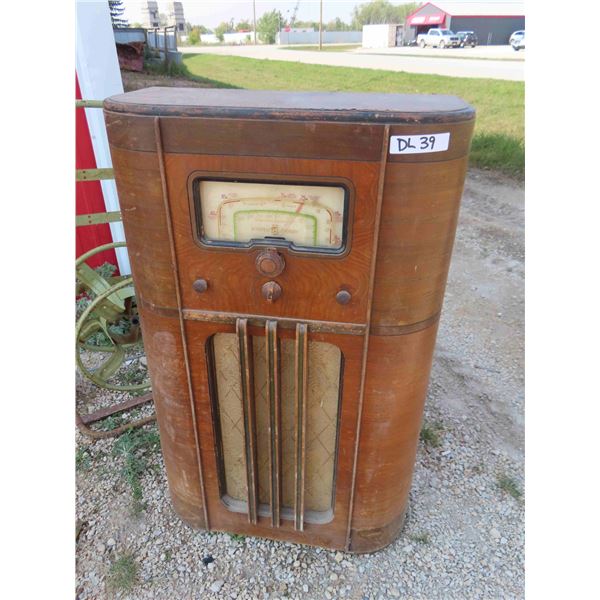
(270, 263)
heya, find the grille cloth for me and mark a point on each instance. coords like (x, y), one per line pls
(324, 370)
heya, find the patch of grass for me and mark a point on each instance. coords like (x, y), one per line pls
(237, 537)
(132, 375)
(182, 71)
(509, 485)
(498, 151)
(171, 69)
(83, 460)
(111, 422)
(168, 555)
(430, 435)
(123, 573)
(499, 128)
(421, 538)
(135, 447)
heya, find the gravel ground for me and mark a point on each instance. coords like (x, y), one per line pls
(464, 536)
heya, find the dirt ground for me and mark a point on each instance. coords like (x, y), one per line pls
(136, 81)
(464, 535)
(480, 347)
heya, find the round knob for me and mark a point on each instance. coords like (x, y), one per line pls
(200, 285)
(270, 263)
(343, 297)
(271, 291)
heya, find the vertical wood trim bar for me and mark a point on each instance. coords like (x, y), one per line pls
(163, 181)
(301, 393)
(249, 410)
(384, 156)
(274, 401)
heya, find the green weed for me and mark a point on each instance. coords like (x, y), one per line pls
(421, 538)
(83, 461)
(135, 447)
(112, 422)
(430, 435)
(123, 573)
(509, 485)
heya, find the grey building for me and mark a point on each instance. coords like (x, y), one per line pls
(176, 16)
(150, 17)
(492, 22)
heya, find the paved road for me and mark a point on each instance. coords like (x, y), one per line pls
(389, 59)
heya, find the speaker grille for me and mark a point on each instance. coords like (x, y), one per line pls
(323, 386)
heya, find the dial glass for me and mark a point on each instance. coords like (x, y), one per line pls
(301, 216)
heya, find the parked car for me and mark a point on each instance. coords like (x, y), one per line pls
(438, 38)
(515, 35)
(467, 38)
(519, 43)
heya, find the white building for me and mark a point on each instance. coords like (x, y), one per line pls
(382, 36)
(150, 18)
(175, 16)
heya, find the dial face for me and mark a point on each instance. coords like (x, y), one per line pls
(305, 216)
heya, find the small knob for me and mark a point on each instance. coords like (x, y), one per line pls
(200, 285)
(270, 263)
(271, 291)
(343, 297)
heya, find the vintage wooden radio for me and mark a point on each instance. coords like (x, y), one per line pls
(290, 253)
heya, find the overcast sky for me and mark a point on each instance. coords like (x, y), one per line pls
(210, 13)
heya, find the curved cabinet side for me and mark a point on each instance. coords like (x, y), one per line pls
(397, 377)
(164, 351)
(138, 182)
(418, 222)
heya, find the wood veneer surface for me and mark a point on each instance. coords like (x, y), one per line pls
(291, 136)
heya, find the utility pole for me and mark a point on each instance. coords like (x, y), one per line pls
(321, 25)
(254, 11)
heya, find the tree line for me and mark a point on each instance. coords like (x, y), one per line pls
(267, 26)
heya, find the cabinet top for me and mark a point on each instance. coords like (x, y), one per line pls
(296, 106)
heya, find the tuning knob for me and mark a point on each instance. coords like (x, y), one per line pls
(343, 297)
(271, 291)
(270, 263)
(200, 285)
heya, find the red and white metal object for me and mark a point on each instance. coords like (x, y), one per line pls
(98, 76)
(88, 195)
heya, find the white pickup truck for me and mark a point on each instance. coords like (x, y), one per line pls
(438, 38)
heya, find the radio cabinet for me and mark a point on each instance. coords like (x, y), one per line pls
(289, 253)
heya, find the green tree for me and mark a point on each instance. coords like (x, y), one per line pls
(306, 25)
(221, 29)
(116, 14)
(381, 11)
(244, 25)
(201, 28)
(194, 36)
(337, 25)
(268, 26)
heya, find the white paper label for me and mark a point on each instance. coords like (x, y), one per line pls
(419, 144)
